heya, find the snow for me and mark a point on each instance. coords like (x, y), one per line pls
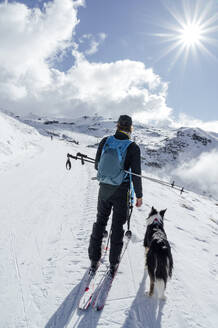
(16, 139)
(46, 216)
(186, 155)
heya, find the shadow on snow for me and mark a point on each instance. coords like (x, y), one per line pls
(145, 311)
(64, 314)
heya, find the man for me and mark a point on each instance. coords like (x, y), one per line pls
(113, 194)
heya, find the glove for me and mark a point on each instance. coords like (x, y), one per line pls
(138, 202)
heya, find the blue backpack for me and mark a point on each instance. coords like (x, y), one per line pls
(111, 164)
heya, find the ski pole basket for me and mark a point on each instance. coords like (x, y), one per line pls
(128, 234)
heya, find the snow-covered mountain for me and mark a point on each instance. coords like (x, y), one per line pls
(164, 151)
(160, 147)
(182, 145)
(171, 154)
(47, 214)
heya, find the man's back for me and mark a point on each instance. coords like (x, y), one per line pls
(132, 160)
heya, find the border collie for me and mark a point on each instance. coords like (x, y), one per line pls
(159, 261)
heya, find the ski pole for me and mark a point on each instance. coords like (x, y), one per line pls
(108, 239)
(84, 158)
(158, 181)
(128, 233)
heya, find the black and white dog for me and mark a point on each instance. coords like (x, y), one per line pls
(159, 261)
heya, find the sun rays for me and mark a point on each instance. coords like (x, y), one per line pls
(192, 32)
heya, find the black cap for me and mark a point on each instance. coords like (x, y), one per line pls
(125, 120)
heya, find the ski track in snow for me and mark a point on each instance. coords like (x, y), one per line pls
(47, 215)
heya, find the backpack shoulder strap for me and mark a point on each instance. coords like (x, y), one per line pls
(119, 144)
(107, 142)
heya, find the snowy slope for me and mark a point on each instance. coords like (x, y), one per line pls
(46, 218)
(16, 139)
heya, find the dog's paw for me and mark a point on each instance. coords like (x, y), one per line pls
(163, 298)
(148, 294)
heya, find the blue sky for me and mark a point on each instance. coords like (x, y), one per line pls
(130, 25)
(139, 31)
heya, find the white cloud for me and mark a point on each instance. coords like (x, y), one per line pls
(29, 37)
(94, 42)
(102, 36)
(200, 174)
(109, 88)
(185, 120)
(29, 82)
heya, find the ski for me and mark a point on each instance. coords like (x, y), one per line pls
(92, 279)
(88, 290)
(99, 302)
(107, 280)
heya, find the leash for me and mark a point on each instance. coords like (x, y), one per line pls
(84, 158)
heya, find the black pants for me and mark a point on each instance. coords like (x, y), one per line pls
(109, 197)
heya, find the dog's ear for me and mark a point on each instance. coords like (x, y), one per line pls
(153, 211)
(162, 213)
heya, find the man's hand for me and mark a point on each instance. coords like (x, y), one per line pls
(138, 202)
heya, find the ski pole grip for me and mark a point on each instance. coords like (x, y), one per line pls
(71, 156)
(86, 157)
(81, 155)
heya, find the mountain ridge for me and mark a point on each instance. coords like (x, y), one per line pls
(163, 151)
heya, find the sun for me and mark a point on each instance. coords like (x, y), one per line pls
(190, 31)
(191, 34)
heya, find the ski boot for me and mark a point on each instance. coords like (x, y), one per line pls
(93, 267)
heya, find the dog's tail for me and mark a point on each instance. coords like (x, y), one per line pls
(162, 268)
(160, 287)
(159, 268)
